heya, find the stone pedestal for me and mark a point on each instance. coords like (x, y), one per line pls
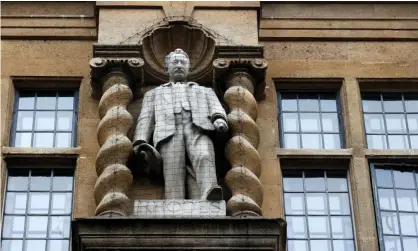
(179, 208)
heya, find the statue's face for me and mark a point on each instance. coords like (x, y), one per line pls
(178, 67)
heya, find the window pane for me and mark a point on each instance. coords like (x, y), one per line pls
(61, 203)
(291, 140)
(396, 123)
(39, 203)
(60, 227)
(376, 142)
(386, 199)
(343, 245)
(409, 223)
(288, 102)
(407, 200)
(332, 141)
(44, 121)
(63, 140)
(58, 245)
(293, 182)
(410, 243)
(296, 227)
(413, 123)
(398, 142)
(26, 101)
(341, 227)
(374, 123)
(40, 180)
(328, 103)
(330, 122)
(339, 203)
(65, 120)
(316, 203)
(290, 122)
(11, 245)
(318, 227)
(13, 226)
(46, 101)
(62, 183)
(308, 102)
(15, 203)
(384, 178)
(389, 223)
(309, 122)
(32, 245)
(336, 182)
(372, 103)
(314, 181)
(17, 183)
(312, 141)
(294, 203)
(403, 179)
(66, 102)
(37, 226)
(297, 245)
(414, 142)
(393, 103)
(23, 139)
(411, 103)
(393, 243)
(323, 245)
(43, 140)
(24, 120)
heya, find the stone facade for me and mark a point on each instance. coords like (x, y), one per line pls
(346, 47)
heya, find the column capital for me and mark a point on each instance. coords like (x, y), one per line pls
(250, 68)
(124, 59)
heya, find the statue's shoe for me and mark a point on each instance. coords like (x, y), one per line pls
(215, 193)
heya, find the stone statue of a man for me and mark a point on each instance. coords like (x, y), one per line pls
(179, 114)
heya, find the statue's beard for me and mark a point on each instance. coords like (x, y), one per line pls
(178, 75)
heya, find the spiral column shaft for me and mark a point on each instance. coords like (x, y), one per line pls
(114, 178)
(241, 149)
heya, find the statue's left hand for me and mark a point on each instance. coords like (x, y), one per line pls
(220, 125)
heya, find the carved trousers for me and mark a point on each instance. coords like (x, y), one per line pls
(201, 176)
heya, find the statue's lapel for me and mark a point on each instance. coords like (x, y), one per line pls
(168, 96)
(191, 94)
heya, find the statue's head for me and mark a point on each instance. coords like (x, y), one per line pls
(177, 65)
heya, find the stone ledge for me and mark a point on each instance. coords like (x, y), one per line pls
(220, 233)
(391, 154)
(20, 152)
(315, 153)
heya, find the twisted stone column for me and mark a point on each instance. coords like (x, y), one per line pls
(241, 149)
(114, 177)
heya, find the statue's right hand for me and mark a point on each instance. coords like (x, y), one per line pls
(140, 152)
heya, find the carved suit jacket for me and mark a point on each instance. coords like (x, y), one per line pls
(157, 111)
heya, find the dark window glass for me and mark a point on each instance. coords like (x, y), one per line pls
(395, 192)
(317, 209)
(38, 208)
(45, 119)
(391, 120)
(310, 121)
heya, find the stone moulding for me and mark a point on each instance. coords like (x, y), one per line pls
(223, 233)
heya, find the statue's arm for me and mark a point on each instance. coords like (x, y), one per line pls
(215, 108)
(146, 120)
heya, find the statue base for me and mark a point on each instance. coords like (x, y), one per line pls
(179, 208)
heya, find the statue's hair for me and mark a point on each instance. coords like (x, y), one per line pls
(176, 51)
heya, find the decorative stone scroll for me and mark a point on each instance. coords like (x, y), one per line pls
(112, 82)
(240, 82)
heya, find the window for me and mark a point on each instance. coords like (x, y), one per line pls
(391, 120)
(38, 208)
(395, 192)
(318, 212)
(45, 119)
(310, 120)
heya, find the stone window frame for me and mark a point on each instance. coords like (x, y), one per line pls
(302, 167)
(47, 84)
(398, 166)
(29, 166)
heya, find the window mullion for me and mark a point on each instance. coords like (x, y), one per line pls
(384, 121)
(33, 122)
(320, 123)
(408, 136)
(299, 122)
